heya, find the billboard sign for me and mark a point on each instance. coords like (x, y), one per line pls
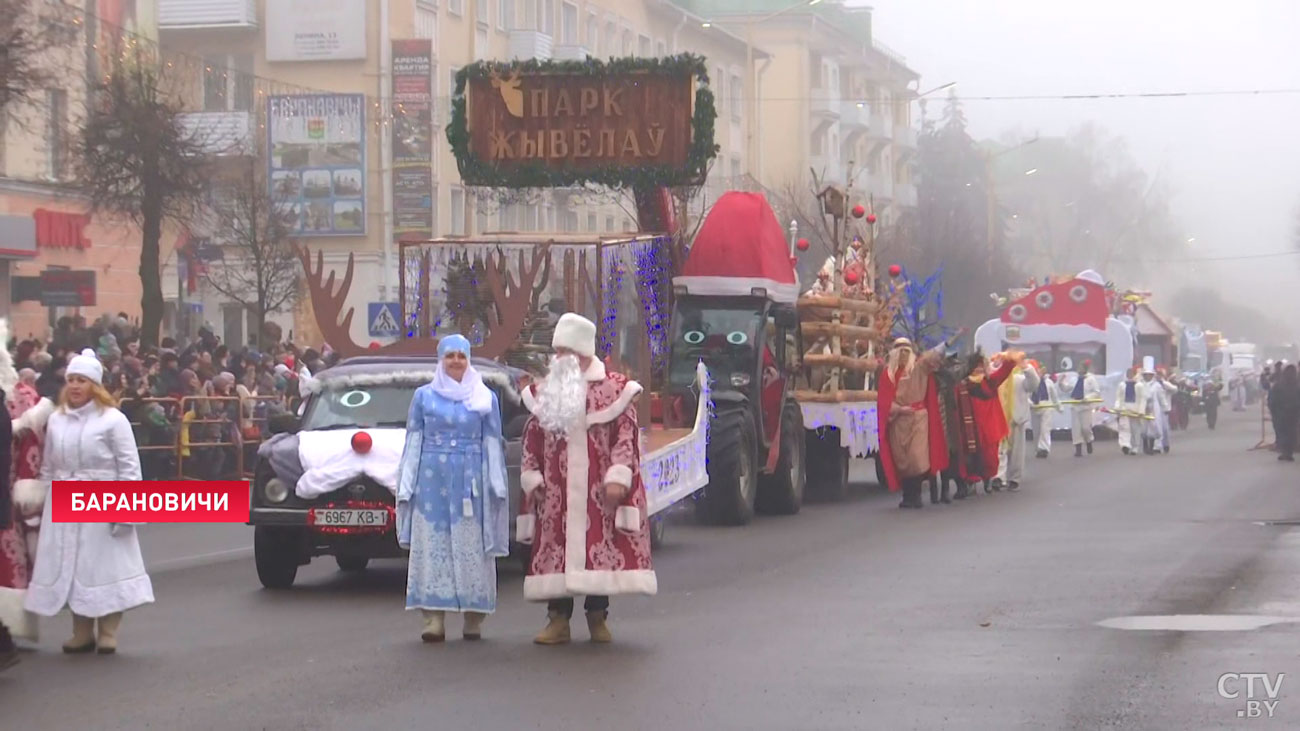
(317, 174)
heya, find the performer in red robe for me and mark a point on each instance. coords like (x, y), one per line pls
(912, 443)
(982, 423)
(584, 509)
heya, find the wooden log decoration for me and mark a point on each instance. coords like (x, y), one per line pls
(848, 362)
(837, 330)
(815, 301)
(833, 397)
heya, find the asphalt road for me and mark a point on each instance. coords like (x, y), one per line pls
(983, 614)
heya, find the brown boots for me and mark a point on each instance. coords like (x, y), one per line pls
(83, 634)
(557, 632)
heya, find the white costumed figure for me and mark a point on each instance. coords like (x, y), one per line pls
(28, 413)
(93, 569)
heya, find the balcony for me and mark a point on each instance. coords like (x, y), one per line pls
(905, 137)
(855, 116)
(192, 14)
(526, 44)
(829, 170)
(825, 103)
(570, 52)
(905, 194)
(222, 134)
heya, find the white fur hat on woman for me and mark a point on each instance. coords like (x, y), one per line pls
(87, 366)
(576, 333)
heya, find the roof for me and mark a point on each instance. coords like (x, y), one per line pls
(1147, 322)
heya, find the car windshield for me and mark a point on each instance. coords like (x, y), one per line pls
(366, 407)
(724, 337)
(387, 405)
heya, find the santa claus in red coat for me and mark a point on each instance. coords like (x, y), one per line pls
(584, 507)
(28, 412)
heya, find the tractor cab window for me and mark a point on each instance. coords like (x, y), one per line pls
(723, 337)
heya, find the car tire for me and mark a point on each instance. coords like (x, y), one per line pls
(276, 553)
(352, 563)
(781, 493)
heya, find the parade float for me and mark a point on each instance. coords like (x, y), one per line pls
(1062, 323)
(642, 124)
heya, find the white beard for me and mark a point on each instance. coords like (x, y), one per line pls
(562, 397)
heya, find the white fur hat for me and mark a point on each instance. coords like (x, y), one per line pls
(88, 366)
(576, 333)
(1149, 365)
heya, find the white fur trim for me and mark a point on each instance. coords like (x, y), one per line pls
(545, 587)
(595, 371)
(576, 494)
(29, 495)
(525, 525)
(575, 332)
(22, 624)
(530, 399)
(619, 475)
(34, 419)
(628, 518)
(631, 390)
(530, 480)
(8, 376)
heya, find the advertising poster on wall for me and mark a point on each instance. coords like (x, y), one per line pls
(413, 138)
(318, 162)
(315, 30)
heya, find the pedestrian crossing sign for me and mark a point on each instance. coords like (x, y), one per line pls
(383, 319)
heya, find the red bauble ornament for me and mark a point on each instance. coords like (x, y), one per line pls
(871, 219)
(374, 345)
(859, 211)
(851, 277)
(801, 244)
(895, 270)
(362, 442)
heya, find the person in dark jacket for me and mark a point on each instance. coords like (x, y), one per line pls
(1210, 399)
(1284, 403)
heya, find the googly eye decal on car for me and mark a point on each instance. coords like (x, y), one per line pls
(355, 399)
(1017, 313)
(1043, 300)
(1067, 363)
(694, 337)
(737, 337)
(1078, 293)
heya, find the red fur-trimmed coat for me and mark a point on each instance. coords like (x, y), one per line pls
(582, 545)
(28, 413)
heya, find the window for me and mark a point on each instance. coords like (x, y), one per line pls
(457, 211)
(451, 80)
(481, 49)
(661, 48)
(505, 15)
(643, 45)
(228, 83)
(610, 44)
(627, 42)
(542, 15)
(481, 222)
(426, 21)
(735, 168)
(569, 24)
(593, 34)
(627, 225)
(736, 98)
(591, 222)
(56, 123)
(530, 217)
(481, 11)
(609, 223)
(456, 7)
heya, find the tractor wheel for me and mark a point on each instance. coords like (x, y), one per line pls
(781, 493)
(733, 468)
(828, 464)
(275, 551)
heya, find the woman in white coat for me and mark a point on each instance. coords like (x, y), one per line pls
(94, 569)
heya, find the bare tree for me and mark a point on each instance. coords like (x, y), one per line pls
(260, 267)
(137, 160)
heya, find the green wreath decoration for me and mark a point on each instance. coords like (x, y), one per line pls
(475, 171)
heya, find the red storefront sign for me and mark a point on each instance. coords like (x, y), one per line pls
(60, 230)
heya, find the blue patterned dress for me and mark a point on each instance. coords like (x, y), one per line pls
(452, 504)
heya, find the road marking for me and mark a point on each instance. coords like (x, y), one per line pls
(201, 559)
(1196, 622)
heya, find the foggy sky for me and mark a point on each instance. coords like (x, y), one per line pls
(1233, 163)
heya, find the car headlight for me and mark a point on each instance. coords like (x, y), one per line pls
(740, 380)
(275, 491)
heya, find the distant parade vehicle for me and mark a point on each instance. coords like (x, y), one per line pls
(1063, 324)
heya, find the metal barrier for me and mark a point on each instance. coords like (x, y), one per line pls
(257, 431)
(202, 452)
(240, 437)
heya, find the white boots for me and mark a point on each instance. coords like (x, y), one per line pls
(435, 625)
(83, 634)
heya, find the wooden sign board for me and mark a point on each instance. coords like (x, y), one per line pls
(531, 126)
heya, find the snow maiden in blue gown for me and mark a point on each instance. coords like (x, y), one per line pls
(452, 499)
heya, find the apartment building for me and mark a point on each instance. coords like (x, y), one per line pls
(831, 98)
(258, 52)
